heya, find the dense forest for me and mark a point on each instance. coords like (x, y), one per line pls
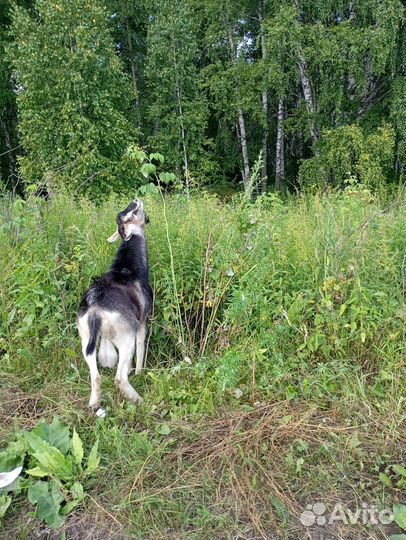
(304, 93)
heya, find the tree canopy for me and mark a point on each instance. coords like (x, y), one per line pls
(315, 89)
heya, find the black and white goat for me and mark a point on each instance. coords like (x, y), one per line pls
(114, 311)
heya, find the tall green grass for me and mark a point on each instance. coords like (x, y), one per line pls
(295, 302)
(278, 298)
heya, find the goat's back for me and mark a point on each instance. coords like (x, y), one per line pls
(119, 292)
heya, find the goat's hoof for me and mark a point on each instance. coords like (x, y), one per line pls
(137, 399)
(138, 371)
(94, 406)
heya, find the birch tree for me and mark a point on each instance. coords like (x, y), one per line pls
(73, 97)
(177, 108)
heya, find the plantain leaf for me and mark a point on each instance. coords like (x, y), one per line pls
(77, 447)
(37, 471)
(56, 434)
(5, 501)
(93, 460)
(78, 494)
(51, 459)
(399, 512)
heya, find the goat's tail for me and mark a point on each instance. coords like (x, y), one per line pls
(94, 323)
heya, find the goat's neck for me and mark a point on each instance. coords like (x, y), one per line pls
(132, 257)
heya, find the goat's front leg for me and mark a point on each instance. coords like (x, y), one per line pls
(141, 336)
(125, 345)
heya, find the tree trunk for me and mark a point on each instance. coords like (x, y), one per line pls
(244, 149)
(264, 170)
(182, 123)
(280, 148)
(351, 79)
(183, 139)
(308, 96)
(246, 173)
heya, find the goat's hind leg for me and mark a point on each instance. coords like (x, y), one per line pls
(125, 343)
(95, 394)
(141, 335)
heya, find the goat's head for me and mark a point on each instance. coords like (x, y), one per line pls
(130, 221)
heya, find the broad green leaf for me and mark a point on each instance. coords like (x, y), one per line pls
(56, 434)
(50, 458)
(8, 462)
(14, 455)
(37, 471)
(147, 169)
(156, 155)
(137, 153)
(93, 460)
(77, 490)
(48, 499)
(166, 177)
(77, 447)
(71, 505)
(5, 501)
(399, 512)
(397, 537)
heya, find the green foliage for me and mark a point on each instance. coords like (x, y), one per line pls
(73, 98)
(348, 155)
(177, 107)
(189, 78)
(284, 288)
(54, 456)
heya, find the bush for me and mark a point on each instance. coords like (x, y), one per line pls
(347, 156)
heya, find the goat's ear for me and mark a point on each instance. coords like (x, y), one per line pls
(147, 220)
(113, 237)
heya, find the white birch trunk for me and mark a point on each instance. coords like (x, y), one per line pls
(244, 148)
(246, 173)
(183, 138)
(308, 96)
(351, 78)
(280, 148)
